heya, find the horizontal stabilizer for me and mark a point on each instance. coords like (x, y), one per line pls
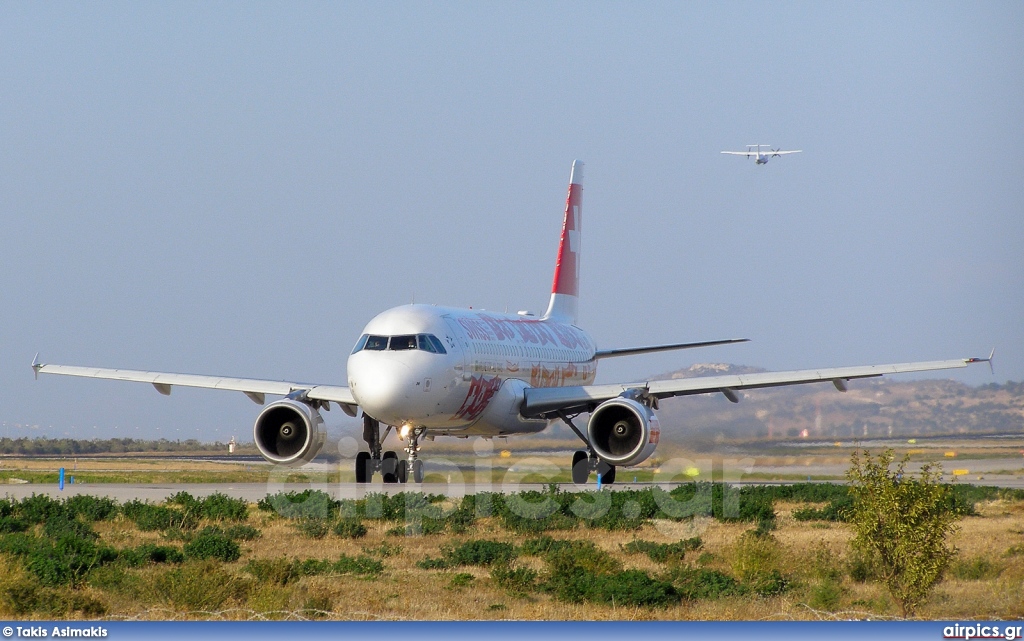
(630, 351)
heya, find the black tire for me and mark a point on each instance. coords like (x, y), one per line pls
(402, 471)
(580, 467)
(417, 471)
(364, 468)
(389, 467)
(607, 473)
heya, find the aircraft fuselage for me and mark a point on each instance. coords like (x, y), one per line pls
(400, 376)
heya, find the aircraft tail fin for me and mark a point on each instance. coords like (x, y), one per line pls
(565, 287)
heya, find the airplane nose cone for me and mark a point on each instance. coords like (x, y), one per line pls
(384, 388)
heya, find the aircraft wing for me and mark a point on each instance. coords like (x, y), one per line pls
(782, 153)
(742, 153)
(549, 402)
(255, 389)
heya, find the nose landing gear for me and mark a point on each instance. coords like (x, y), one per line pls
(391, 469)
(413, 464)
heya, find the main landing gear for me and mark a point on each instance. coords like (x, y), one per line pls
(586, 461)
(391, 469)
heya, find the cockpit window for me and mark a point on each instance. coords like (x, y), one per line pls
(376, 343)
(423, 342)
(403, 342)
(438, 347)
(360, 344)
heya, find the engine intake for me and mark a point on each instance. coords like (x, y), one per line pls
(623, 431)
(288, 432)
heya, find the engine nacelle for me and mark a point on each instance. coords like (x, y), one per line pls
(623, 431)
(288, 432)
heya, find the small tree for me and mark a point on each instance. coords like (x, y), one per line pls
(902, 524)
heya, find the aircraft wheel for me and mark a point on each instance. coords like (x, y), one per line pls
(580, 467)
(417, 471)
(389, 467)
(363, 467)
(607, 473)
(403, 471)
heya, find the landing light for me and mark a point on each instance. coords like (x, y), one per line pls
(404, 431)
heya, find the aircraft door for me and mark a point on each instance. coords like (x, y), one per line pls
(456, 340)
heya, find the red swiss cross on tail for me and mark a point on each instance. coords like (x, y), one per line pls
(565, 289)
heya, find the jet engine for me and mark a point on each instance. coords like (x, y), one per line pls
(623, 431)
(289, 432)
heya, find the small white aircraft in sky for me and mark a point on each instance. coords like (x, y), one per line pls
(424, 371)
(761, 157)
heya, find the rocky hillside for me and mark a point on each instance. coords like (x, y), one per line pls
(871, 408)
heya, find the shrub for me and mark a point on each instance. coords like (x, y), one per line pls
(64, 525)
(349, 529)
(976, 569)
(92, 508)
(210, 545)
(198, 587)
(313, 504)
(317, 606)
(274, 571)
(431, 563)
(480, 552)
(826, 596)
(903, 524)
(221, 507)
(664, 552)
(629, 587)
(359, 565)
(38, 508)
(115, 578)
(186, 501)
(839, 509)
(27, 597)
(149, 553)
(9, 524)
(66, 561)
(461, 580)
(475, 552)
(541, 545)
(532, 511)
(756, 560)
(241, 532)
(384, 550)
(583, 555)
(149, 517)
(313, 528)
(285, 571)
(825, 565)
(700, 583)
(24, 597)
(514, 580)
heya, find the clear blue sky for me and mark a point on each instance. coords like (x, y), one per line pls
(236, 188)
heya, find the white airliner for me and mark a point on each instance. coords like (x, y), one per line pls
(426, 371)
(762, 158)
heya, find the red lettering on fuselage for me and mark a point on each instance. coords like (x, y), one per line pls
(481, 389)
(534, 332)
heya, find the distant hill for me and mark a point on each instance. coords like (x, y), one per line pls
(877, 407)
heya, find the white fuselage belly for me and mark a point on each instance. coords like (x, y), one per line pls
(476, 386)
